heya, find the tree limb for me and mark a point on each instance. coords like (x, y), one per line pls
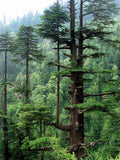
(42, 149)
(79, 146)
(65, 47)
(95, 95)
(61, 126)
(89, 144)
(67, 55)
(56, 64)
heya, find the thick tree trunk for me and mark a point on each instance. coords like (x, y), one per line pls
(5, 128)
(77, 117)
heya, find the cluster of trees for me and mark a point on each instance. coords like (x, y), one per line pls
(78, 101)
(13, 25)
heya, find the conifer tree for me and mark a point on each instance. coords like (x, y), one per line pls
(5, 47)
(27, 47)
(52, 27)
(79, 42)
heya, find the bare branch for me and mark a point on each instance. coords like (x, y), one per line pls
(42, 149)
(95, 95)
(56, 64)
(67, 55)
(61, 126)
(46, 149)
(65, 47)
(89, 144)
(66, 75)
(79, 146)
(81, 111)
(92, 12)
(67, 138)
(69, 108)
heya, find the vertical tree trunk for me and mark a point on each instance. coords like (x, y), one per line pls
(58, 78)
(40, 128)
(2, 104)
(27, 69)
(77, 117)
(44, 128)
(27, 79)
(5, 128)
(58, 83)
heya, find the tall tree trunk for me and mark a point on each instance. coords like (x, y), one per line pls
(5, 127)
(58, 83)
(40, 128)
(77, 117)
(44, 128)
(27, 89)
(27, 79)
(58, 69)
(1, 108)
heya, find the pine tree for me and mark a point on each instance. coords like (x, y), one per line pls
(5, 47)
(78, 44)
(52, 27)
(27, 47)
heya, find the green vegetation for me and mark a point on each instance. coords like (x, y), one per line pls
(71, 112)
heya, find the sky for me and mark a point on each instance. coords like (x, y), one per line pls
(13, 8)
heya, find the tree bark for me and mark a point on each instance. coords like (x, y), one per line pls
(58, 83)
(27, 70)
(58, 69)
(27, 77)
(77, 119)
(5, 128)
(40, 128)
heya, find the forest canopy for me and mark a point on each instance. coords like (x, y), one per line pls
(60, 83)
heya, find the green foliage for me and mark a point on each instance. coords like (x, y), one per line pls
(33, 144)
(60, 153)
(102, 124)
(40, 142)
(102, 13)
(30, 114)
(27, 44)
(117, 158)
(53, 21)
(6, 42)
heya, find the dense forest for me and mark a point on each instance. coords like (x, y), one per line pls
(60, 83)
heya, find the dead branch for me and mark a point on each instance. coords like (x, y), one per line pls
(67, 55)
(56, 64)
(75, 147)
(89, 144)
(95, 95)
(81, 111)
(65, 47)
(62, 127)
(67, 138)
